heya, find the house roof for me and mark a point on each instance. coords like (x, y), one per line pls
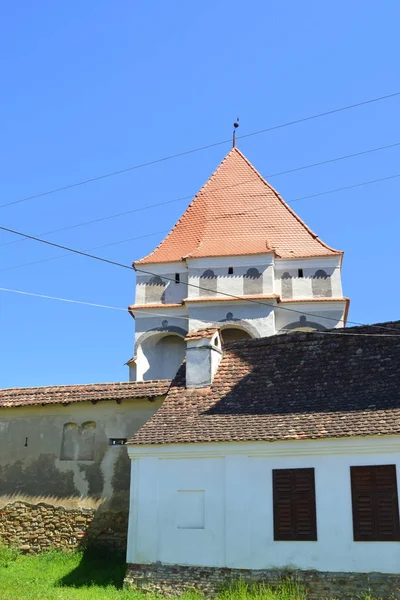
(64, 394)
(203, 333)
(289, 387)
(238, 213)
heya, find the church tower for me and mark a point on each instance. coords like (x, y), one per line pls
(239, 258)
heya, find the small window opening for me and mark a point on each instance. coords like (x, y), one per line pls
(118, 441)
(230, 270)
(177, 277)
(300, 273)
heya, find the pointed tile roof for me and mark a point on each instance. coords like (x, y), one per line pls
(236, 213)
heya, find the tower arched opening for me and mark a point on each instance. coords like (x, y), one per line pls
(232, 333)
(160, 356)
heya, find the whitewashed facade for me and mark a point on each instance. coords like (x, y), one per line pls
(212, 505)
(260, 306)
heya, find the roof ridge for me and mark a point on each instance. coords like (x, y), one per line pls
(303, 336)
(195, 234)
(285, 204)
(186, 209)
(75, 385)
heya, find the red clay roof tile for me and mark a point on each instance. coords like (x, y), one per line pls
(64, 394)
(199, 334)
(238, 213)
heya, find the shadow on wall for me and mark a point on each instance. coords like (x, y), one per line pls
(121, 481)
(40, 477)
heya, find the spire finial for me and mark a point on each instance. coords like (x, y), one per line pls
(235, 125)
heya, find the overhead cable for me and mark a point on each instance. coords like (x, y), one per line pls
(200, 148)
(95, 305)
(31, 237)
(122, 265)
(190, 196)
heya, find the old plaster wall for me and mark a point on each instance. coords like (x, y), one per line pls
(63, 451)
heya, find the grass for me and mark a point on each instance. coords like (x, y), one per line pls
(62, 576)
(73, 502)
(59, 575)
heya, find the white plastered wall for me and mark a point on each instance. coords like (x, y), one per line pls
(155, 358)
(258, 317)
(174, 292)
(230, 284)
(327, 314)
(302, 286)
(211, 505)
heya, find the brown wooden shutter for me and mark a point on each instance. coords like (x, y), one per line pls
(375, 503)
(294, 505)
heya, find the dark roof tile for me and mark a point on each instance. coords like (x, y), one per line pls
(295, 386)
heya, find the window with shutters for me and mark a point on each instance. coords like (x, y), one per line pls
(375, 504)
(295, 516)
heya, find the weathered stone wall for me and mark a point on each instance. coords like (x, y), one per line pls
(175, 580)
(34, 528)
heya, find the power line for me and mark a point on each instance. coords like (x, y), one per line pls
(35, 262)
(262, 303)
(200, 148)
(106, 218)
(26, 236)
(32, 237)
(333, 160)
(323, 114)
(115, 263)
(70, 301)
(190, 196)
(216, 323)
(359, 334)
(347, 187)
(61, 299)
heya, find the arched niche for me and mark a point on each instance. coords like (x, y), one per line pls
(161, 355)
(321, 284)
(252, 282)
(302, 325)
(87, 440)
(233, 334)
(70, 441)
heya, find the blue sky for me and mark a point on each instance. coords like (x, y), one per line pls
(96, 86)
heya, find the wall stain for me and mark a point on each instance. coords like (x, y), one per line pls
(94, 476)
(121, 480)
(39, 478)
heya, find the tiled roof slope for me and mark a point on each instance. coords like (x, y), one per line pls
(237, 213)
(63, 394)
(289, 387)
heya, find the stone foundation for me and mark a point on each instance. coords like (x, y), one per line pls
(175, 580)
(34, 528)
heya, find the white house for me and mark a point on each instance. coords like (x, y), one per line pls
(269, 451)
(272, 453)
(239, 258)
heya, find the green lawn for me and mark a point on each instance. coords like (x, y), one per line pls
(83, 576)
